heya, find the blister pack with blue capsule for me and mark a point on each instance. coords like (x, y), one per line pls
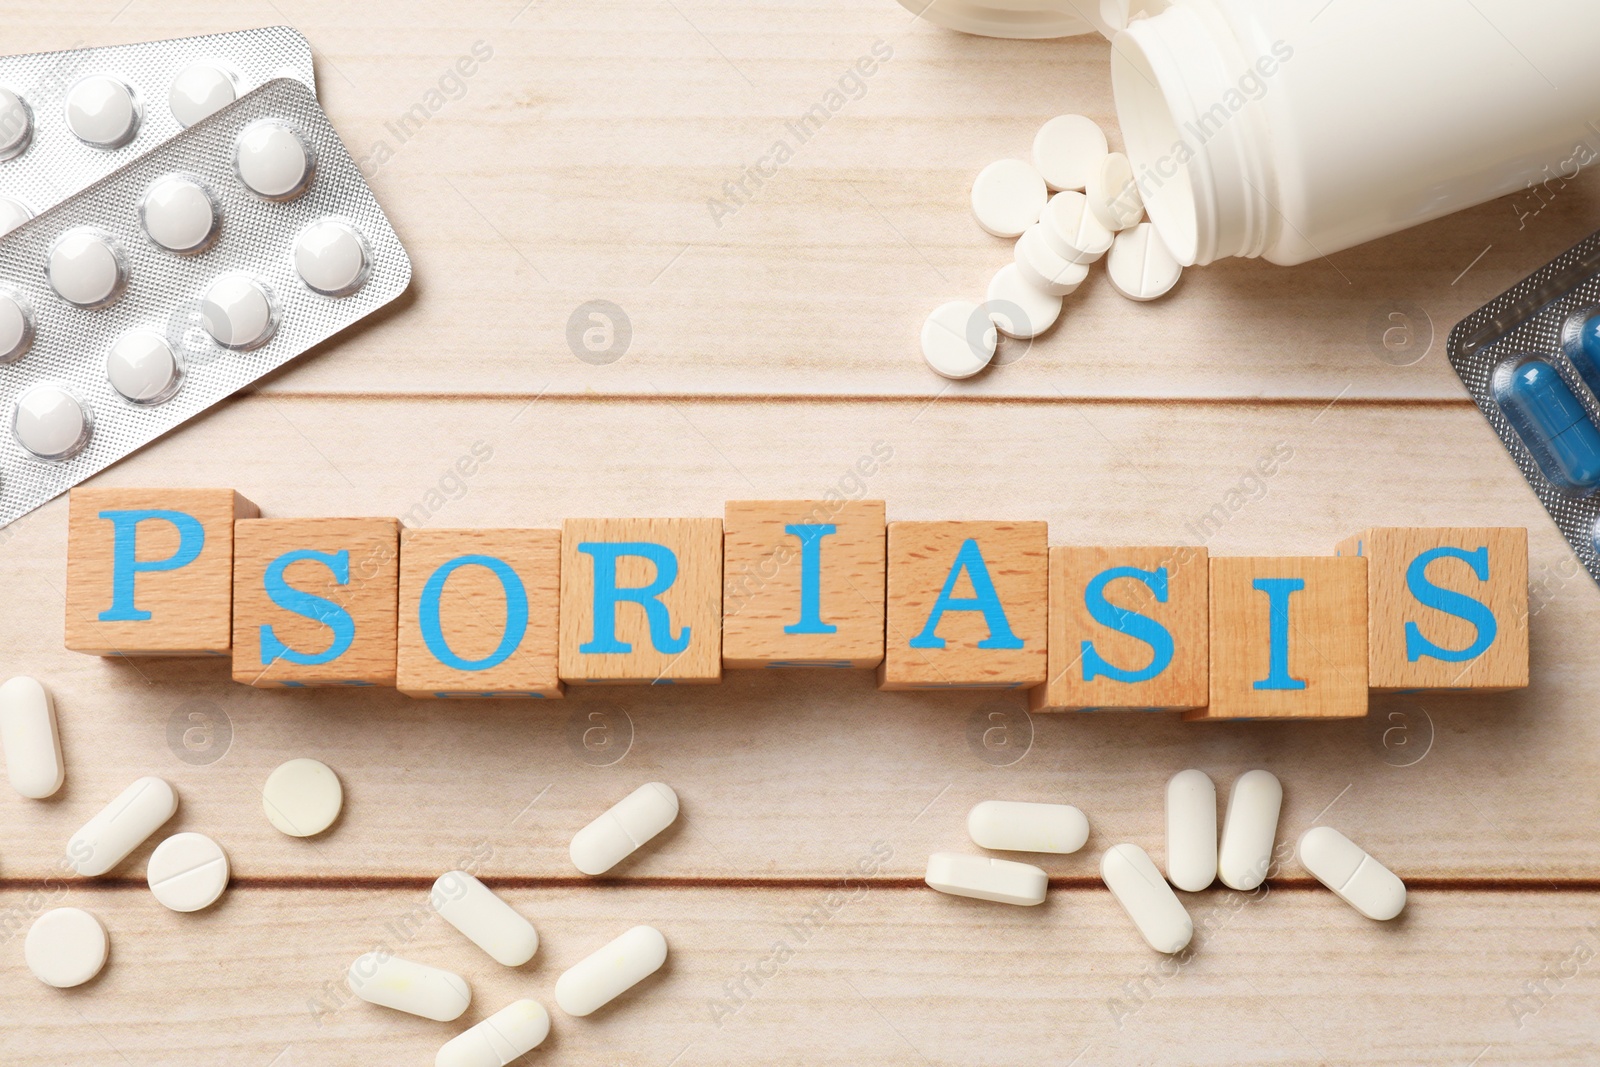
(1531, 360)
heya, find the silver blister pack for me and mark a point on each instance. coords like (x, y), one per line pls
(42, 161)
(262, 245)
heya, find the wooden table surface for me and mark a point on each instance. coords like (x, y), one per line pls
(773, 342)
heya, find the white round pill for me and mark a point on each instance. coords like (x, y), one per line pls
(302, 797)
(236, 312)
(330, 258)
(101, 111)
(85, 268)
(142, 367)
(1068, 149)
(272, 160)
(1018, 308)
(958, 340)
(16, 326)
(50, 422)
(1039, 265)
(13, 213)
(1007, 197)
(1072, 230)
(16, 124)
(199, 90)
(66, 947)
(1140, 265)
(178, 214)
(1113, 195)
(188, 872)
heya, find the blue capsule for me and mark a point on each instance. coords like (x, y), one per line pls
(1552, 423)
(1581, 341)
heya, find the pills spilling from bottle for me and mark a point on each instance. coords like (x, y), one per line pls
(30, 738)
(1068, 151)
(959, 339)
(188, 872)
(485, 919)
(302, 797)
(610, 971)
(66, 947)
(1017, 308)
(404, 985)
(986, 878)
(624, 828)
(1007, 197)
(121, 826)
(1140, 266)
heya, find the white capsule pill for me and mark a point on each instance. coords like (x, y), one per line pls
(1147, 898)
(485, 919)
(1017, 308)
(606, 974)
(1041, 268)
(30, 739)
(619, 832)
(391, 982)
(302, 797)
(1072, 231)
(66, 947)
(330, 258)
(1007, 197)
(1113, 195)
(16, 124)
(188, 872)
(122, 826)
(958, 339)
(86, 268)
(51, 423)
(272, 160)
(13, 213)
(1191, 830)
(503, 1037)
(142, 367)
(1068, 149)
(1249, 830)
(102, 111)
(1140, 266)
(986, 878)
(1017, 826)
(1359, 880)
(16, 326)
(178, 214)
(237, 313)
(199, 90)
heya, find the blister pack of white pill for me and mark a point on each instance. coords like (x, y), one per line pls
(67, 119)
(176, 281)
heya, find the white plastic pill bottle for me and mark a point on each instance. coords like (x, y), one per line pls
(1290, 129)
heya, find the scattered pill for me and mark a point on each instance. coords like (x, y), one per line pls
(1017, 308)
(102, 111)
(85, 268)
(486, 920)
(178, 214)
(1191, 831)
(16, 124)
(330, 258)
(1147, 898)
(958, 339)
(236, 312)
(1140, 266)
(986, 878)
(606, 974)
(1041, 268)
(621, 830)
(16, 327)
(121, 826)
(272, 160)
(1007, 197)
(188, 872)
(511, 1032)
(1017, 826)
(51, 423)
(1072, 231)
(13, 213)
(66, 947)
(1067, 150)
(30, 738)
(1552, 422)
(1359, 880)
(199, 90)
(1249, 830)
(1113, 195)
(302, 797)
(1580, 338)
(391, 982)
(142, 367)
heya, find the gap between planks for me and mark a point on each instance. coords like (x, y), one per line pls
(970, 399)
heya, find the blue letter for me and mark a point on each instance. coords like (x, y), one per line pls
(1127, 622)
(1278, 591)
(125, 561)
(516, 613)
(607, 596)
(811, 536)
(984, 599)
(1451, 603)
(310, 605)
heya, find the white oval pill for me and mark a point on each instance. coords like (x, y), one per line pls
(1007, 197)
(391, 982)
(16, 326)
(628, 824)
(13, 213)
(272, 160)
(1017, 826)
(986, 878)
(1359, 880)
(29, 736)
(512, 1032)
(199, 90)
(188, 872)
(102, 111)
(1147, 898)
(16, 124)
(142, 367)
(1249, 829)
(302, 797)
(178, 214)
(86, 268)
(1140, 266)
(66, 947)
(1017, 308)
(958, 339)
(237, 313)
(1191, 830)
(1041, 268)
(1113, 195)
(330, 258)
(121, 826)
(485, 919)
(1072, 231)
(51, 423)
(606, 974)
(1068, 149)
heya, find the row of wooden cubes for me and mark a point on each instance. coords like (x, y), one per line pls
(930, 605)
